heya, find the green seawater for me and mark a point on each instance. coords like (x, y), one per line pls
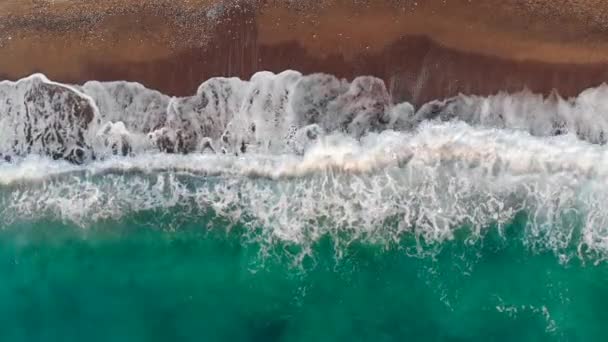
(129, 280)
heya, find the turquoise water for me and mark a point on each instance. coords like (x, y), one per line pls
(129, 280)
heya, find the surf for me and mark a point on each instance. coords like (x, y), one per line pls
(296, 158)
(270, 113)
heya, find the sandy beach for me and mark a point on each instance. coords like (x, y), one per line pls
(422, 49)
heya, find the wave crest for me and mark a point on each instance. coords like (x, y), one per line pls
(271, 113)
(381, 188)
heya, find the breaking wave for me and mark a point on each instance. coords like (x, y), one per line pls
(295, 158)
(271, 113)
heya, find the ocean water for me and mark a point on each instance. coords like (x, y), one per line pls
(298, 208)
(125, 280)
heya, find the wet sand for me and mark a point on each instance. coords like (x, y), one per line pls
(422, 49)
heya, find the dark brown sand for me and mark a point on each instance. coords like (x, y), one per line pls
(422, 49)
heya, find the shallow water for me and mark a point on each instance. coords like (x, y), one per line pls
(125, 280)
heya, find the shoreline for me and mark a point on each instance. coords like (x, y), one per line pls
(423, 52)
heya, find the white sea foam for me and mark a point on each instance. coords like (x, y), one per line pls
(268, 114)
(381, 188)
(38, 116)
(300, 157)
